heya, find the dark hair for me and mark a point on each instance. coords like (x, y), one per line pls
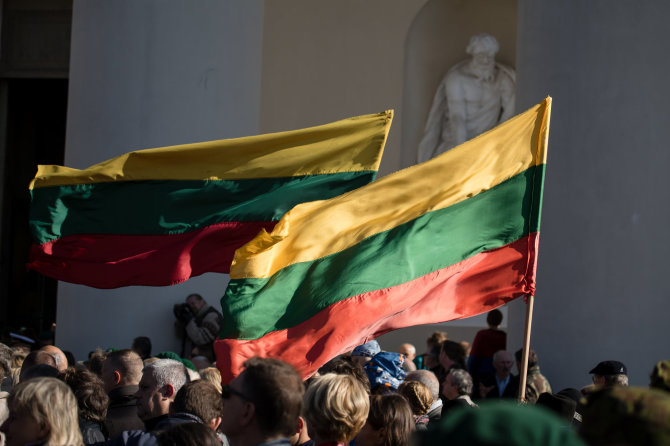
(188, 434)
(71, 362)
(89, 390)
(142, 345)
(95, 361)
(494, 318)
(276, 390)
(455, 352)
(199, 398)
(532, 357)
(346, 365)
(393, 413)
(39, 357)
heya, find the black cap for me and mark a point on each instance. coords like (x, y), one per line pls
(610, 368)
(561, 405)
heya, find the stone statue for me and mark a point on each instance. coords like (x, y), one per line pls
(475, 95)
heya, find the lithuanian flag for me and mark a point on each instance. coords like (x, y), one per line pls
(447, 239)
(159, 216)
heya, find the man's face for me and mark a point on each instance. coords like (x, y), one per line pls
(484, 58)
(503, 364)
(408, 350)
(233, 407)
(151, 402)
(449, 390)
(108, 376)
(194, 303)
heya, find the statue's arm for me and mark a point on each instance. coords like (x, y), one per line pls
(508, 95)
(455, 90)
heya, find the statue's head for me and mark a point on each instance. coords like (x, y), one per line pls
(482, 43)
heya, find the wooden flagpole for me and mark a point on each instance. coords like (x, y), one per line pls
(523, 373)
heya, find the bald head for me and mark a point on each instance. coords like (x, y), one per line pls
(58, 355)
(408, 350)
(427, 378)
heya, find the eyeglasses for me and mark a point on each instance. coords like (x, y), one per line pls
(227, 391)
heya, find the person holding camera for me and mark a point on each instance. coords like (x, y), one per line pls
(200, 325)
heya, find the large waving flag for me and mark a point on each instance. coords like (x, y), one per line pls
(447, 239)
(159, 216)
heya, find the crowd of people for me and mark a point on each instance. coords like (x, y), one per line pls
(451, 395)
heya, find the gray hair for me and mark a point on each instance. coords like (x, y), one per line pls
(482, 43)
(168, 371)
(462, 380)
(427, 378)
(616, 380)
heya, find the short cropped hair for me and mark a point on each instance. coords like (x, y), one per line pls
(199, 398)
(276, 390)
(168, 371)
(619, 379)
(128, 363)
(188, 434)
(51, 404)
(336, 407)
(427, 378)
(142, 345)
(494, 318)
(89, 390)
(393, 413)
(418, 395)
(462, 380)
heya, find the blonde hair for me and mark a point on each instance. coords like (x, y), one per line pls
(418, 395)
(51, 403)
(212, 375)
(336, 407)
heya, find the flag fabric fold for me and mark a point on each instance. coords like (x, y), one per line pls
(160, 216)
(450, 238)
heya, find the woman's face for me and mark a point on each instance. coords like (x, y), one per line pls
(21, 429)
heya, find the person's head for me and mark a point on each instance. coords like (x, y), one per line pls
(36, 358)
(389, 423)
(660, 376)
(88, 389)
(503, 363)
(458, 382)
(195, 302)
(213, 376)
(483, 48)
(264, 400)
(532, 357)
(418, 395)
(494, 318)
(142, 346)
(188, 434)
(427, 378)
(346, 365)
(408, 350)
(452, 353)
(160, 382)
(435, 339)
(58, 355)
(201, 362)
(42, 410)
(5, 361)
(95, 361)
(300, 436)
(121, 368)
(336, 407)
(199, 398)
(610, 373)
(365, 352)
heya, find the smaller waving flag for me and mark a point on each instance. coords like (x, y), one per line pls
(160, 216)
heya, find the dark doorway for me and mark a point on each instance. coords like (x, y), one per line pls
(35, 134)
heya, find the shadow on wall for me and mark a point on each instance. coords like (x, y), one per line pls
(435, 42)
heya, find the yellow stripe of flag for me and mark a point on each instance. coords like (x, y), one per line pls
(314, 230)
